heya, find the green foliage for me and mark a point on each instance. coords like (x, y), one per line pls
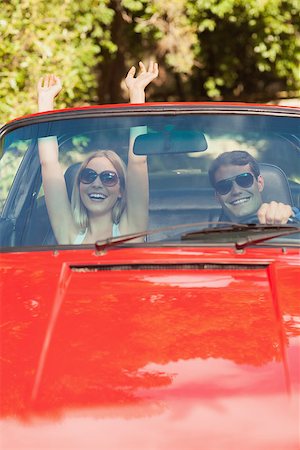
(39, 37)
(207, 49)
(247, 47)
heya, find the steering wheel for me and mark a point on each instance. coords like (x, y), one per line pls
(293, 220)
(252, 219)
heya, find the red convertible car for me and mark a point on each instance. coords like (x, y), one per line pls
(180, 335)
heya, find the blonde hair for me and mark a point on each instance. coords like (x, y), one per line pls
(79, 211)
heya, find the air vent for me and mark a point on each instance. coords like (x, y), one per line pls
(182, 266)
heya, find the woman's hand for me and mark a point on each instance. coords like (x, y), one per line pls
(48, 88)
(136, 85)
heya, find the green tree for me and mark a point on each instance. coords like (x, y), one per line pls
(248, 49)
(39, 37)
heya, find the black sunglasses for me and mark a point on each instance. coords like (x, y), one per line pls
(107, 177)
(244, 180)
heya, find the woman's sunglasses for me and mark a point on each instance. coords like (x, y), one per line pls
(107, 177)
(244, 180)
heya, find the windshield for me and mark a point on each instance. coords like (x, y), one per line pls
(124, 173)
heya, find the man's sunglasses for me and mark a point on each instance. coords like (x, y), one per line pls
(107, 177)
(244, 180)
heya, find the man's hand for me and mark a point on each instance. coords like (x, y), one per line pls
(48, 88)
(274, 213)
(136, 86)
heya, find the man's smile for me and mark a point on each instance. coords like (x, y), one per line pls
(240, 201)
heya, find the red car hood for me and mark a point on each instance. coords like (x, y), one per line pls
(126, 350)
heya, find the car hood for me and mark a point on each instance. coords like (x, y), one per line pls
(126, 350)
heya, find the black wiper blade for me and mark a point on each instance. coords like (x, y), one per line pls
(102, 245)
(242, 235)
(111, 242)
(281, 231)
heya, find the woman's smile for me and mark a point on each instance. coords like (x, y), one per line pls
(95, 194)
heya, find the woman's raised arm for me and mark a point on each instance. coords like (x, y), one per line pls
(137, 171)
(54, 185)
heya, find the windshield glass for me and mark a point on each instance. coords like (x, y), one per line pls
(87, 177)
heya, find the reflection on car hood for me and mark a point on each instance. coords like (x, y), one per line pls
(124, 350)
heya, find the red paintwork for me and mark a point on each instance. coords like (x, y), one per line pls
(116, 106)
(154, 359)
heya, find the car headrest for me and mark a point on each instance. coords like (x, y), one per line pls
(276, 186)
(70, 175)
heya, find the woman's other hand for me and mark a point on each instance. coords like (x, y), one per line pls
(48, 88)
(136, 85)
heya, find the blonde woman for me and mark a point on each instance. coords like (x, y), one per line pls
(108, 198)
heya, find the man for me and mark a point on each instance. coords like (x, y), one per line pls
(238, 185)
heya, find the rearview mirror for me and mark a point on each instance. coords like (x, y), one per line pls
(173, 141)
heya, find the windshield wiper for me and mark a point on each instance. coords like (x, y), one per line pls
(242, 235)
(101, 245)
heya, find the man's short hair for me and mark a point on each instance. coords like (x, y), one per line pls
(235, 158)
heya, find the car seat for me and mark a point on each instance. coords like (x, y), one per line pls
(196, 205)
(199, 205)
(276, 184)
(70, 175)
